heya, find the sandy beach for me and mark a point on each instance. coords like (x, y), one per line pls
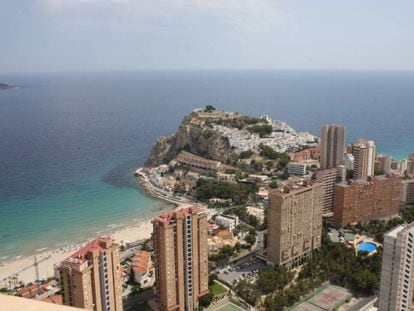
(24, 269)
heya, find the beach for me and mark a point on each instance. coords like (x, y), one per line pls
(24, 266)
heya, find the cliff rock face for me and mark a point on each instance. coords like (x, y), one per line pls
(194, 136)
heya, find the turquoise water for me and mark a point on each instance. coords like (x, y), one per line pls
(69, 143)
(87, 210)
(367, 247)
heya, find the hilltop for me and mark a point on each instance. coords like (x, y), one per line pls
(226, 137)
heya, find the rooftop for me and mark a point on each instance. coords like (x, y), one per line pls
(294, 187)
(174, 215)
(80, 257)
(141, 261)
(394, 232)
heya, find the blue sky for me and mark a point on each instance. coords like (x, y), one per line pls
(55, 35)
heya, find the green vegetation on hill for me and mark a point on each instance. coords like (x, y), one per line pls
(282, 159)
(246, 154)
(261, 129)
(210, 188)
(239, 123)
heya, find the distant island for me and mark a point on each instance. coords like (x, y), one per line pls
(5, 86)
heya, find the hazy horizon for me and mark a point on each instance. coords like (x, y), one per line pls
(169, 35)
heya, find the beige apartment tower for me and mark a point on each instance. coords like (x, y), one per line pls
(90, 278)
(328, 178)
(294, 223)
(397, 277)
(332, 146)
(407, 191)
(364, 159)
(181, 259)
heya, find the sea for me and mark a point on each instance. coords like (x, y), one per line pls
(70, 142)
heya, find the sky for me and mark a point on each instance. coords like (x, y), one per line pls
(102, 35)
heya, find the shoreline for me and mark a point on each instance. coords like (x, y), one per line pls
(159, 194)
(23, 267)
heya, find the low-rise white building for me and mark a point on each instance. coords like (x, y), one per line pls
(297, 168)
(230, 222)
(257, 178)
(263, 193)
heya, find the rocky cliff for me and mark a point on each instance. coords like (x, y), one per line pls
(222, 136)
(196, 136)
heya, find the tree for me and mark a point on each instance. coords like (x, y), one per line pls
(273, 184)
(245, 154)
(248, 292)
(206, 300)
(251, 239)
(272, 279)
(210, 108)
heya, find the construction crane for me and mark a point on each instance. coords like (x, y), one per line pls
(12, 279)
(36, 265)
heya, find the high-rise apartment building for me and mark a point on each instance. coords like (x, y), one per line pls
(332, 146)
(362, 201)
(181, 259)
(397, 277)
(364, 159)
(91, 279)
(383, 164)
(407, 191)
(328, 178)
(294, 222)
(409, 165)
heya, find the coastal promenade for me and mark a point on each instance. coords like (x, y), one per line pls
(161, 194)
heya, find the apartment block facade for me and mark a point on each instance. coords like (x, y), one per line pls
(397, 277)
(407, 191)
(362, 201)
(91, 279)
(181, 259)
(328, 178)
(332, 146)
(364, 159)
(294, 223)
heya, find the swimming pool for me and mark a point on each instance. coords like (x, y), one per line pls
(367, 247)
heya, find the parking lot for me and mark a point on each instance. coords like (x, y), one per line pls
(245, 269)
